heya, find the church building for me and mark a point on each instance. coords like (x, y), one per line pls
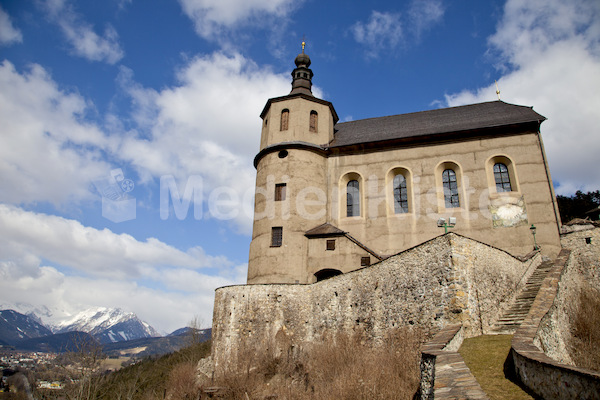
(335, 197)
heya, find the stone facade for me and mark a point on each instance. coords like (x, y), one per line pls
(447, 280)
(307, 159)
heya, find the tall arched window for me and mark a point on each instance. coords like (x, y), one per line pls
(502, 178)
(450, 188)
(400, 194)
(285, 116)
(314, 120)
(352, 199)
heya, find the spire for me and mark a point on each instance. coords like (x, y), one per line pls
(302, 75)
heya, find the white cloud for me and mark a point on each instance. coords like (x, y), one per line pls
(551, 56)
(164, 285)
(424, 14)
(8, 33)
(382, 30)
(208, 125)
(47, 152)
(215, 17)
(388, 30)
(93, 252)
(85, 42)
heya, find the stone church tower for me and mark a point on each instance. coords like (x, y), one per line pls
(291, 172)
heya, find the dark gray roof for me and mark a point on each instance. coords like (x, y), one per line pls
(325, 229)
(472, 117)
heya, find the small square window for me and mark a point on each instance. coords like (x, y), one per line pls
(365, 261)
(280, 191)
(588, 240)
(331, 244)
(276, 236)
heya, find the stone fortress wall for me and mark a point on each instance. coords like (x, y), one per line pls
(447, 280)
(582, 268)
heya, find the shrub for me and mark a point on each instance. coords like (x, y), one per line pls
(337, 367)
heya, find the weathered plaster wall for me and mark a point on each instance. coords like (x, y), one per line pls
(449, 279)
(478, 217)
(346, 257)
(316, 193)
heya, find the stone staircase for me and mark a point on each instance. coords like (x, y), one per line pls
(512, 317)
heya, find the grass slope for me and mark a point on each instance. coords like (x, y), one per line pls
(485, 356)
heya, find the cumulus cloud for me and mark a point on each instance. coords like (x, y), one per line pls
(47, 151)
(207, 126)
(96, 252)
(389, 30)
(213, 18)
(81, 36)
(103, 268)
(8, 33)
(549, 57)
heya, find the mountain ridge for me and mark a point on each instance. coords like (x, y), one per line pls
(106, 325)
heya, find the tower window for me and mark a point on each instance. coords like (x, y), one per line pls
(331, 244)
(450, 188)
(314, 119)
(280, 191)
(352, 199)
(502, 178)
(276, 236)
(400, 195)
(285, 116)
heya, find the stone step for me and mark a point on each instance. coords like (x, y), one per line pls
(516, 313)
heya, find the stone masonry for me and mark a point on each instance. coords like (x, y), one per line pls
(450, 279)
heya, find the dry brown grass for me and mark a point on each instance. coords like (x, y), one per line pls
(586, 329)
(182, 383)
(338, 367)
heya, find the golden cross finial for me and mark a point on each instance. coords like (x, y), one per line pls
(303, 43)
(497, 90)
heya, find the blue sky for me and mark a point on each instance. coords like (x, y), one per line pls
(131, 92)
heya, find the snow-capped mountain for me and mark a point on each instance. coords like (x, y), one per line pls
(108, 325)
(15, 327)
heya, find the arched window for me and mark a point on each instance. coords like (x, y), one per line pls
(285, 116)
(450, 188)
(352, 199)
(502, 178)
(314, 119)
(400, 194)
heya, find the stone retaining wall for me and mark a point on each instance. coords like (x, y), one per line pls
(447, 280)
(546, 377)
